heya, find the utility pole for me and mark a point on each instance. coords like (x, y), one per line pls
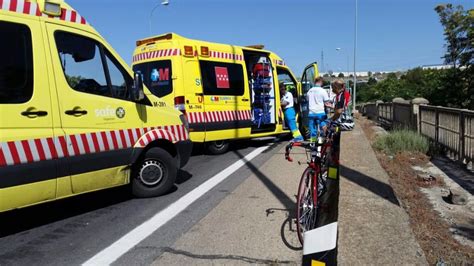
(322, 61)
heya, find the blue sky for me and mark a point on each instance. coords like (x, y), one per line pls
(392, 34)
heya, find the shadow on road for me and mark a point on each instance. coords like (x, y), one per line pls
(373, 185)
(20, 220)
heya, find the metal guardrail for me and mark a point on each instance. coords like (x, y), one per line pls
(452, 129)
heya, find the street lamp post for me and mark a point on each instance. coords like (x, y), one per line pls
(338, 50)
(344, 54)
(164, 3)
(355, 49)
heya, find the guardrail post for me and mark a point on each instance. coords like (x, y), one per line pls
(462, 154)
(416, 112)
(377, 112)
(392, 112)
(437, 126)
(418, 117)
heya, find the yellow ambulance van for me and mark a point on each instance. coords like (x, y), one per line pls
(227, 92)
(73, 117)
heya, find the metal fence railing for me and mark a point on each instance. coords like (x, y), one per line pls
(452, 129)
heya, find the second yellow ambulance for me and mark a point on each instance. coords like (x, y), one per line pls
(227, 92)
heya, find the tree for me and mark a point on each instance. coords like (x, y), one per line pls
(371, 81)
(341, 75)
(456, 25)
(369, 74)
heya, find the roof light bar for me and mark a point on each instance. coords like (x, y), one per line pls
(168, 36)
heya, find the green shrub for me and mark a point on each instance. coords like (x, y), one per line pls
(402, 140)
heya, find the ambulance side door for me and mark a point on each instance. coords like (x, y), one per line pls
(100, 122)
(307, 82)
(226, 99)
(194, 95)
(28, 162)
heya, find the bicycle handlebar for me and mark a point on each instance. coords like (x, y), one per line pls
(308, 145)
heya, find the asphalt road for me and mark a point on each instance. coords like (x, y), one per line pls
(71, 231)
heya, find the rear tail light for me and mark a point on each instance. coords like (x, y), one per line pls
(179, 104)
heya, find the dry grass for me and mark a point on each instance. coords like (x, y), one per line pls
(431, 231)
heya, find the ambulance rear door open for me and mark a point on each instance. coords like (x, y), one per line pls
(263, 101)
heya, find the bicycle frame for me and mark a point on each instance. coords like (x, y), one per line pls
(307, 204)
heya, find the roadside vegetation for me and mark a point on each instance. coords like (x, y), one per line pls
(402, 141)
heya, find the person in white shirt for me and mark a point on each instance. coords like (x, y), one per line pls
(289, 112)
(317, 100)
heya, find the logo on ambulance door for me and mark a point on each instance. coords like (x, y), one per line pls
(222, 78)
(160, 77)
(120, 112)
(155, 75)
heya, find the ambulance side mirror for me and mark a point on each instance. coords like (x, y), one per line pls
(137, 89)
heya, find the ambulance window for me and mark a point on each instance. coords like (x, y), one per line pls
(82, 64)
(119, 78)
(156, 76)
(16, 63)
(222, 78)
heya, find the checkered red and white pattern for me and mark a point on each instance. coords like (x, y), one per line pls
(35, 150)
(280, 62)
(32, 9)
(217, 116)
(156, 54)
(228, 56)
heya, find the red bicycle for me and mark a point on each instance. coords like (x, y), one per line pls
(313, 181)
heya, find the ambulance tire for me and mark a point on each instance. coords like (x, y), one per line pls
(217, 147)
(155, 174)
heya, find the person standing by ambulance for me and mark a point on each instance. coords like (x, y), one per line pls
(287, 103)
(317, 99)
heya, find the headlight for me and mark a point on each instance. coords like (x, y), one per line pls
(184, 120)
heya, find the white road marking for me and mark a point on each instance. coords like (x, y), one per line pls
(131, 239)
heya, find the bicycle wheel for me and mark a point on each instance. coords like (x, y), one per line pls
(306, 208)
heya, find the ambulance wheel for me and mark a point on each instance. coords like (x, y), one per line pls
(155, 174)
(217, 147)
